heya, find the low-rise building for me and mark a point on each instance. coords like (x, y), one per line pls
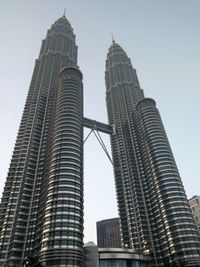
(110, 257)
(122, 257)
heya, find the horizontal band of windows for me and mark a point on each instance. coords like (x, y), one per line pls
(164, 177)
(70, 163)
(155, 135)
(65, 219)
(170, 197)
(68, 201)
(150, 119)
(63, 170)
(68, 127)
(65, 177)
(156, 162)
(67, 140)
(69, 110)
(62, 156)
(69, 98)
(59, 226)
(167, 176)
(160, 154)
(70, 93)
(152, 148)
(66, 188)
(67, 134)
(58, 190)
(67, 147)
(78, 226)
(71, 82)
(57, 217)
(72, 130)
(70, 118)
(162, 157)
(62, 234)
(53, 243)
(159, 136)
(56, 196)
(67, 212)
(149, 111)
(148, 128)
(64, 180)
(68, 121)
(69, 107)
(159, 167)
(71, 148)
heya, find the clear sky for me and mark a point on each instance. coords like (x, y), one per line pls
(162, 38)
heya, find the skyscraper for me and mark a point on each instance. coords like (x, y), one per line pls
(41, 212)
(152, 204)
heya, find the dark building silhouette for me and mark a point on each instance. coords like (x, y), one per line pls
(108, 233)
(41, 212)
(152, 204)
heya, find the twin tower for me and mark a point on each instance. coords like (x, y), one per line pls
(41, 212)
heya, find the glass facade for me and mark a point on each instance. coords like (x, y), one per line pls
(108, 233)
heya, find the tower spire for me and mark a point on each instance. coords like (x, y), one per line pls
(113, 40)
(64, 12)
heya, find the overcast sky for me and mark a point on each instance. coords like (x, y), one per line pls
(162, 38)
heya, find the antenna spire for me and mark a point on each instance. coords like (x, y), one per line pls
(113, 40)
(64, 12)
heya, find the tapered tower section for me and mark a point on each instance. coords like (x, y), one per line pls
(41, 212)
(152, 204)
